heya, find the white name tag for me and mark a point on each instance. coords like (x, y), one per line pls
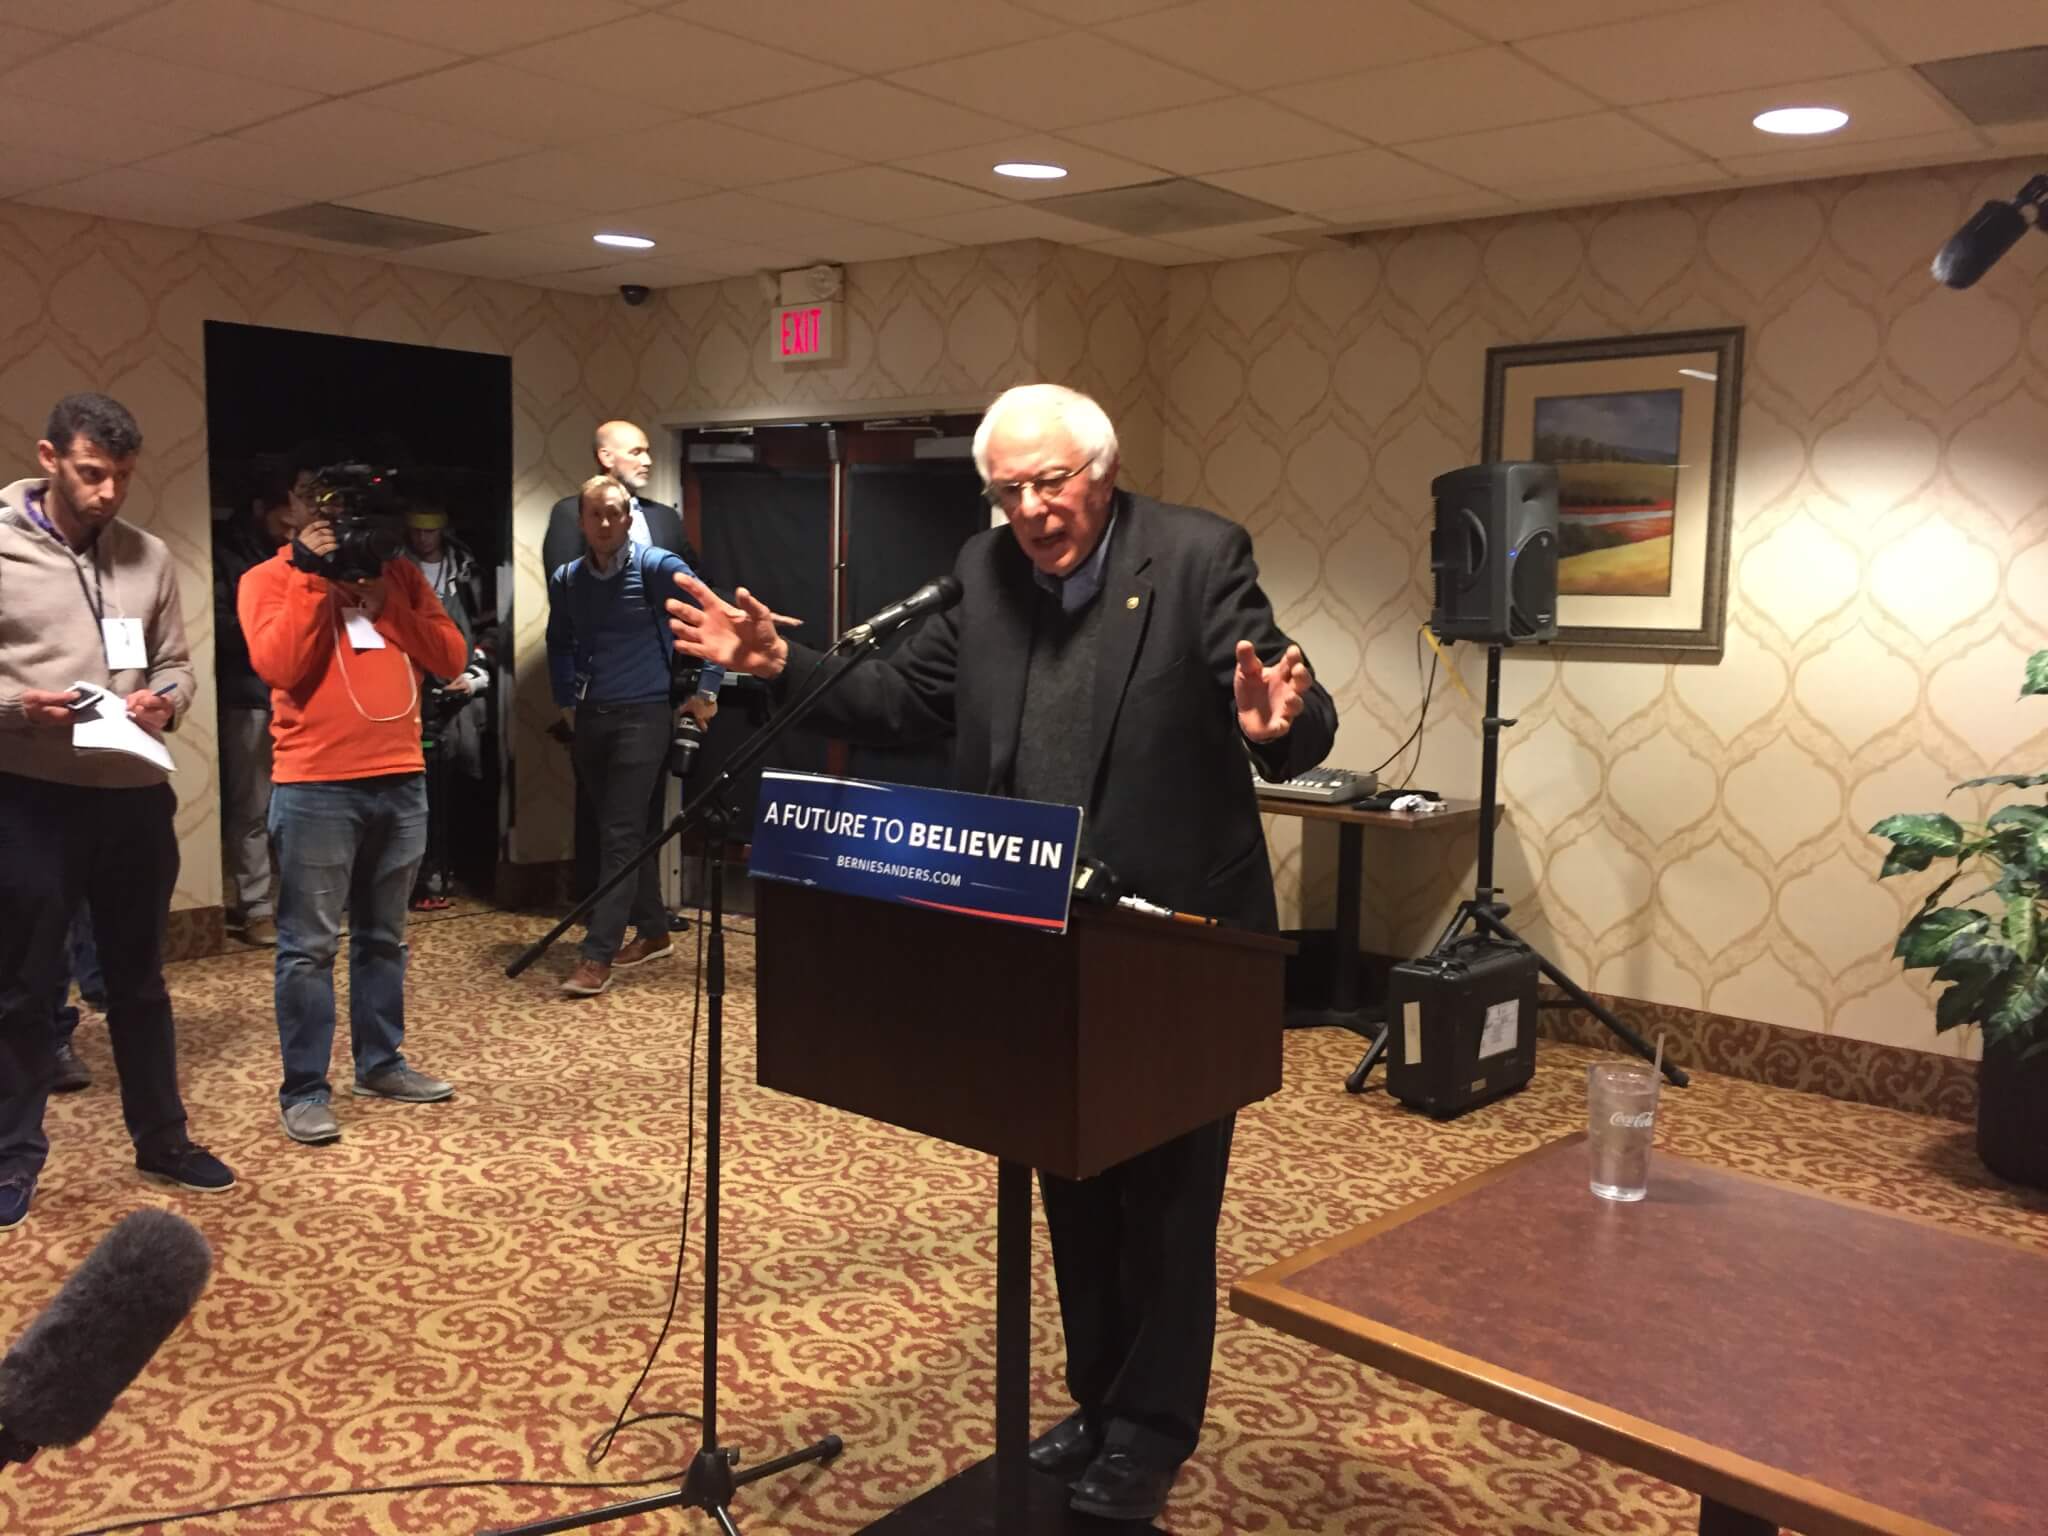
(362, 633)
(126, 651)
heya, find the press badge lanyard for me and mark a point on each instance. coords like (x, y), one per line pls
(120, 638)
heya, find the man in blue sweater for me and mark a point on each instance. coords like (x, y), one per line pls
(608, 662)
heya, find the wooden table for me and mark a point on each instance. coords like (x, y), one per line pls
(1344, 1010)
(1796, 1359)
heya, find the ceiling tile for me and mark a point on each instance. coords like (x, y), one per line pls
(395, 146)
(575, 179)
(1217, 136)
(876, 35)
(739, 260)
(507, 102)
(730, 218)
(673, 58)
(518, 254)
(2018, 135)
(1533, 18)
(1470, 202)
(467, 29)
(243, 38)
(1887, 154)
(1507, 159)
(1918, 30)
(1254, 44)
(717, 154)
(440, 200)
(157, 89)
(107, 137)
(1060, 81)
(1157, 253)
(876, 244)
(649, 274)
(1364, 176)
(870, 120)
(1722, 47)
(322, 177)
(151, 198)
(1088, 170)
(22, 170)
(992, 226)
(1887, 104)
(1618, 186)
(1235, 244)
(1429, 98)
(877, 194)
(18, 44)
(74, 18)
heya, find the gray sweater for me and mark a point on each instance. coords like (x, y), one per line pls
(49, 638)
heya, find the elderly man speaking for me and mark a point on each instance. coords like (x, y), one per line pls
(1116, 653)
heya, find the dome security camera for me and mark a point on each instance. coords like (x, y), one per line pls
(634, 294)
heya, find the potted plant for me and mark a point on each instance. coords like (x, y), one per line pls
(1991, 947)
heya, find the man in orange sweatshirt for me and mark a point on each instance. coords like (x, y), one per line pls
(348, 815)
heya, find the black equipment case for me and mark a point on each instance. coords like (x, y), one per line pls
(1463, 1025)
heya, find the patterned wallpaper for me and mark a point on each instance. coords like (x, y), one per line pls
(1682, 833)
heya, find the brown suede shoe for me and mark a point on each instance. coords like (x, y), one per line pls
(588, 979)
(642, 950)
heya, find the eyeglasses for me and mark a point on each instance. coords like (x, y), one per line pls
(1010, 493)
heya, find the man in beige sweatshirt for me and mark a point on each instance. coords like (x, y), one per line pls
(85, 597)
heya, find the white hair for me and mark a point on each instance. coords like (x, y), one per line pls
(1086, 422)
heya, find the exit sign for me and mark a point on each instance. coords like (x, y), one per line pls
(806, 333)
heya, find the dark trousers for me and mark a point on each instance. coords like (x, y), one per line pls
(1134, 1252)
(116, 850)
(83, 966)
(583, 876)
(621, 751)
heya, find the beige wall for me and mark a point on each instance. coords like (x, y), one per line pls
(1688, 834)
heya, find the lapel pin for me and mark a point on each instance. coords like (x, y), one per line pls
(1130, 602)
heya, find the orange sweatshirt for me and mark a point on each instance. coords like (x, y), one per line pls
(328, 700)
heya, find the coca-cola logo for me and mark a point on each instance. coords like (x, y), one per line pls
(1628, 1122)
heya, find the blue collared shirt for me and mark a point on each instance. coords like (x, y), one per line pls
(1080, 586)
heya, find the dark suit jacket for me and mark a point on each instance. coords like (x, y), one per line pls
(1171, 809)
(563, 541)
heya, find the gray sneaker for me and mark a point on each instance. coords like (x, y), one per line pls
(311, 1122)
(405, 1085)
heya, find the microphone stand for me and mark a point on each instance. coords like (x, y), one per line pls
(710, 1483)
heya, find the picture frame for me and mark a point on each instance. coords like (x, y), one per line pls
(1642, 430)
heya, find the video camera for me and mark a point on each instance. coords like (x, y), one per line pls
(360, 503)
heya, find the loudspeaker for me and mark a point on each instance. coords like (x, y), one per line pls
(1494, 552)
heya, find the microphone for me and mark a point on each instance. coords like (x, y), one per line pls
(933, 597)
(99, 1331)
(1992, 231)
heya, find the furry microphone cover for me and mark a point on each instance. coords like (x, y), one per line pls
(95, 1337)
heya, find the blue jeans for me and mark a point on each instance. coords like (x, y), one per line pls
(355, 843)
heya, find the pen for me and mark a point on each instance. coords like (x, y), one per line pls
(167, 690)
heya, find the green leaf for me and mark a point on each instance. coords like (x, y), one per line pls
(1929, 939)
(2016, 780)
(1940, 835)
(2037, 674)
(2023, 925)
(2024, 1000)
(2032, 817)
(1904, 861)
(1960, 1004)
(1973, 956)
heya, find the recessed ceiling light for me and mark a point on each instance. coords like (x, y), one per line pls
(625, 242)
(1800, 120)
(1031, 170)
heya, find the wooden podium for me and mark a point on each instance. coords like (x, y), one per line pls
(1068, 1053)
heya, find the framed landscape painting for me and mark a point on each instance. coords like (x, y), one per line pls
(1641, 430)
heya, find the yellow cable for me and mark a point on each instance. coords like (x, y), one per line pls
(1449, 666)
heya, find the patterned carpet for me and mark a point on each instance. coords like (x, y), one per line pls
(468, 1290)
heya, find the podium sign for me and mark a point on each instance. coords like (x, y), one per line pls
(983, 856)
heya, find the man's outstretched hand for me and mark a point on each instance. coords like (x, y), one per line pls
(740, 636)
(1268, 698)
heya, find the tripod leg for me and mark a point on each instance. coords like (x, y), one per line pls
(1673, 1073)
(1355, 1083)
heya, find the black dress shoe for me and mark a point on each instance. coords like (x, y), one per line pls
(72, 1074)
(1121, 1485)
(1066, 1449)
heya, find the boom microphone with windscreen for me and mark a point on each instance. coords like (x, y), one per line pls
(100, 1330)
(1992, 231)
